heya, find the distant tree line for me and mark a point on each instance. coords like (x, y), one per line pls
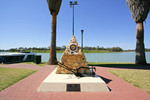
(62, 48)
(113, 49)
(133, 50)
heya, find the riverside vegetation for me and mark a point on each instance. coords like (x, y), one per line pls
(61, 49)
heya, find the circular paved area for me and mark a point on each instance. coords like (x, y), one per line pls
(26, 89)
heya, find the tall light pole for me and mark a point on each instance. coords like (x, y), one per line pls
(72, 4)
(82, 40)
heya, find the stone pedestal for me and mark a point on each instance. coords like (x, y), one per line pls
(70, 83)
(63, 80)
(73, 58)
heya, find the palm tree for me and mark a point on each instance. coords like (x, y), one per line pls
(54, 6)
(139, 10)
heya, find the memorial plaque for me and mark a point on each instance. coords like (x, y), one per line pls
(73, 47)
(73, 87)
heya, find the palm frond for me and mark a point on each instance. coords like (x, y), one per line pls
(54, 6)
(139, 9)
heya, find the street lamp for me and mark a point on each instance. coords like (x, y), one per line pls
(82, 40)
(72, 4)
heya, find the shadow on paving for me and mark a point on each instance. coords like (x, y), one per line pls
(123, 66)
(106, 80)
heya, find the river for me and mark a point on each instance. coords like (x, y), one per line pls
(103, 57)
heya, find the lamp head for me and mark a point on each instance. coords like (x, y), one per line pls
(70, 2)
(76, 3)
(82, 31)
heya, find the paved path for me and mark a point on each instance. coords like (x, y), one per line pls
(26, 89)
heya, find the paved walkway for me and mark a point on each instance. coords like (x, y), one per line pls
(26, 89)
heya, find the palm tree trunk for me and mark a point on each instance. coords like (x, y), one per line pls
(140, 49)
(53, 59)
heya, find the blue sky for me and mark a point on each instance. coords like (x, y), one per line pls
(107, 23)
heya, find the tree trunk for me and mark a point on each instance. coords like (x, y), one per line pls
(140, 49)
(53, 59)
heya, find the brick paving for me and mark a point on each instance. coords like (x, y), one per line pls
(26, 89)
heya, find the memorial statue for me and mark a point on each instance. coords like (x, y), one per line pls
(73, 60)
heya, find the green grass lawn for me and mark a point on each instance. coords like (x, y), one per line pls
(110, 64)
(41, 64)
(103, 64)
(9, 76)
(138, 78)
(116, 64)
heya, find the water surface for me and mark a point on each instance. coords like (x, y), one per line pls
(103, 57)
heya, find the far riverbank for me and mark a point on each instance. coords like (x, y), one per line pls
(103, 57)
(85, 51)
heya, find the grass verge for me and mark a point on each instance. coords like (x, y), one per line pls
(138, 78)
(102, 64)
(110, 64)
(9, 76)
(42, 64)
(117, 64)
